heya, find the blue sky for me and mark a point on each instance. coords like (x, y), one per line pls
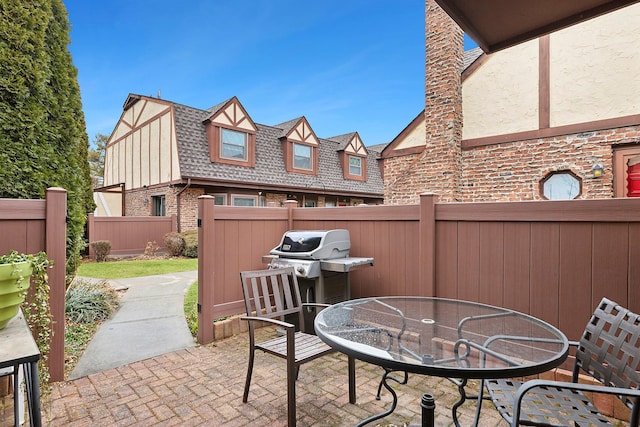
(355, 65)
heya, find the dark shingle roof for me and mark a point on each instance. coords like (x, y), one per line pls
(193, 153)
(469, 57)
(287, 126)
(211, 111)
(377, 148)
(343, 140)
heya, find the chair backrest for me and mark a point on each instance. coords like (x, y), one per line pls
(609, 349)
(271, 293)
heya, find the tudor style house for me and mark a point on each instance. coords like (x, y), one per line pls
(162, 156)
(556, 117)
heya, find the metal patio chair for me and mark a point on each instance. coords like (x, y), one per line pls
(609, 352)
(269, 295)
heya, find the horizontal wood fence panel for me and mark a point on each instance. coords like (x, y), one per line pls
(129, 235)
(358, 213)
(249, 213)
(606, 210)
(23, 209)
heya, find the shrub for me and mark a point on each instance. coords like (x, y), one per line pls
(88, 302)
(102, 248)
(174, 243)
(151, 249)
(190, 243)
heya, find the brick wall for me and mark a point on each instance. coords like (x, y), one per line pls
(275, 200)
(134, 202)
(513, 171)
(138, 202)
(189, 208)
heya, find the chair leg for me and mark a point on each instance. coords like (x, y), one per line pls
(248, 380)
(292, 373)
(352, 379)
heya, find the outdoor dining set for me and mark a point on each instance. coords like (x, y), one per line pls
(454, 339)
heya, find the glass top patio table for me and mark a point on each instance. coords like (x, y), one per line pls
(442, 337)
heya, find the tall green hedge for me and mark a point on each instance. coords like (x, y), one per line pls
(43, 139)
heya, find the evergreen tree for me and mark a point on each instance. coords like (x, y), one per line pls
(43, 141)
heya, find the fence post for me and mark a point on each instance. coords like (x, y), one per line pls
(290, 204)
(174, 223)
(206, 253)
(427, 243)
(55, 248)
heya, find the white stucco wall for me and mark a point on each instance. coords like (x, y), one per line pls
(415, 138)
(502, 95)
(595, 68)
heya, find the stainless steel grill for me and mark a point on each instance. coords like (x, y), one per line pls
(321, 261)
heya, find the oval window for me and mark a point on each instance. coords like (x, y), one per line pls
(561, 185)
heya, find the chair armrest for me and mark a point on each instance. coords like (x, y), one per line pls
(276, 322)
(315, 304)
(525, 387)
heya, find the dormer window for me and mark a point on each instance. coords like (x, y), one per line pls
(355, 165)
(231, 134)
(299, 146)
(302, 157)
(233, 145)
(353, 156)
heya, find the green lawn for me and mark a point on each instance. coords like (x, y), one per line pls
(191, 308)
(136, 268)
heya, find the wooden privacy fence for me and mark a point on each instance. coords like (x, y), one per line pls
(32, 226)
(129, 235)
(552, 259)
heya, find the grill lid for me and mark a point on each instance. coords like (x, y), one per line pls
(299, 242)
(314, 244)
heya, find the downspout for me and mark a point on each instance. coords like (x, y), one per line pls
(178, 202)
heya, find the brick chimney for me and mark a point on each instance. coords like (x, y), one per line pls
(437, 168)
(440, 167)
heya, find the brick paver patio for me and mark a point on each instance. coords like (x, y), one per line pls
(202, 386)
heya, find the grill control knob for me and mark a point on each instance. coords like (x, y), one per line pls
(300, 269)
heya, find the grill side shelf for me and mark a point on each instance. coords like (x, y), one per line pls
(343, 265)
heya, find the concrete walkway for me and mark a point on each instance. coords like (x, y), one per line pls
(150, 322)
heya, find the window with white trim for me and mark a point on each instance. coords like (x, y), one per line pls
(233, 144)
(302, 157)
(237, 200)
(355, 165)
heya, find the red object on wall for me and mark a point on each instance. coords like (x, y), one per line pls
(633, 177)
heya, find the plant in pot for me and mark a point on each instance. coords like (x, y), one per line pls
(15, 279)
